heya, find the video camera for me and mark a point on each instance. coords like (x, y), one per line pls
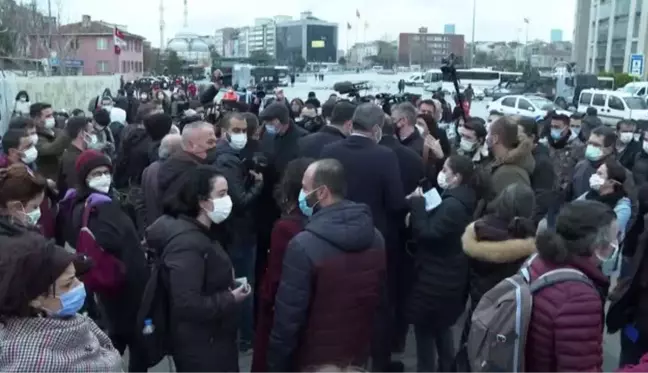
(349, 88)
(449, 72)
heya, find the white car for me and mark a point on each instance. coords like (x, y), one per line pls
(527, 106)
(478, 94)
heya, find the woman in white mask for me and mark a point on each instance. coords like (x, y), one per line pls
(114, 231)
(21, 195)
(606, 186)
(204, 295)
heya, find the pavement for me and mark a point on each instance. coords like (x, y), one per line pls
(611, 349)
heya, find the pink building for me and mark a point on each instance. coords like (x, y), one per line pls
(87, 48)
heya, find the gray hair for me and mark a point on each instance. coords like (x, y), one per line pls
(170, 144)
(407, 111)
(190, 129)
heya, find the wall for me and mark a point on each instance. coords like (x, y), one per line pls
(63, 92)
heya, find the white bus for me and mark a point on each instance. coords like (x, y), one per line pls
(433, 80)
(478, 78)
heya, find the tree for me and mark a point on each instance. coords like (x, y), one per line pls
(260, 57)
(342, 61)
(173, 63)
(299, 63)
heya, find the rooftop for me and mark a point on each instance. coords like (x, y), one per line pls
(89, 27)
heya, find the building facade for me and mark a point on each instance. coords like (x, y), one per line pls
(311, 38)
(360, 52)
(231, 42)
(616, 30)
(88, 48)
(427, 49)
(556, 35)
(262, 36)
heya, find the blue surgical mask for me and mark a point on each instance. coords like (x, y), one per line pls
(303, 203)
(556, 133)
(609, 264)
(593, 153)
(72, 301)
(271, 128)
(575, 130)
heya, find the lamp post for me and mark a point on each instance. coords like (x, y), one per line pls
(472, 47)
(526, 44)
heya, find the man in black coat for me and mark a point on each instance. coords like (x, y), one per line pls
(627, 148)
(311, 146)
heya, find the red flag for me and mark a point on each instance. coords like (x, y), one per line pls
(119, 40)
(357, 13)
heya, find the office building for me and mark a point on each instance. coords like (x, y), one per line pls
(449, 29)
(556, 35)
(309, 37)
(426, 49)
(360, 52)
(232, 42)
(262, 36)
(616, 30)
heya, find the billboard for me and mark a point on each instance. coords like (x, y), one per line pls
(318, 43)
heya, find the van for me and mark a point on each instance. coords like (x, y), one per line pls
(636, 88)
(613, 106)
(415, 80)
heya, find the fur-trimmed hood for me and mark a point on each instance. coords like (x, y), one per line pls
(505, 251)
(521, 156)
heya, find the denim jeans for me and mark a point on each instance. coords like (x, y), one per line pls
(631, 352)
(434, 349)
(243, 260)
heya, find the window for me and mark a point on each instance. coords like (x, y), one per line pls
(132, 66)
(525, 105)
(102, 44)
(74, 44)
(123, 66)
(585, 98)
(636, 103)
(103, 66)
(642, 91)
(615, 103)
(509, 101)
(599, 100)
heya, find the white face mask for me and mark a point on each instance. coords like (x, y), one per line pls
(238, 140)
(34, 138)
(442, 180)
(596, 182)
(91, 139)
(144, 96)
(626, 137)
(467, 145)
(50, 123)
(23, 99)
(29, 155)
(33, 217)
(222, 209)
(100, 183)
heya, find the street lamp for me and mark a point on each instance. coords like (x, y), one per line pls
(472, 51)
(526, 44)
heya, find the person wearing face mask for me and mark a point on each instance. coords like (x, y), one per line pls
(626, 146)
(296, 106)
(21, 194)
(437, 296)
(280, 136)
(198, 138)
(640, 167)
(205, 299)
(568, 316)
(565, 149)
(40, 297)
(105, 140)
(404, 117)
(21, 106)
(245, 185)
(79, 129)
(117, 124)
(114, 231)
(52, 141)
(338, 231)
(606, 186)
(17, 147)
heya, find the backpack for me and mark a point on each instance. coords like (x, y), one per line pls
(154, 309)
(499, 323)
(107, 275)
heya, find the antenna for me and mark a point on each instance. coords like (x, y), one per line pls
(162, 25)
(186, 15)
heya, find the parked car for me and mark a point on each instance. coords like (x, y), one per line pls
(613, 106)
(511, 88)
(525, 105)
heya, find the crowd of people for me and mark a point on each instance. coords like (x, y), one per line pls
(314, 235)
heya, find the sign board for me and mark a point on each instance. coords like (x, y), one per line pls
(637, 65)
(318, 43)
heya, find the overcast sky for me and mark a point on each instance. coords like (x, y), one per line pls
(496, 19)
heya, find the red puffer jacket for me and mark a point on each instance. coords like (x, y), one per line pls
(566, 329)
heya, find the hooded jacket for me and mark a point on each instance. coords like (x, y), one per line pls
(516, 167)
(331, 287)
(197, 273)
(170, 175)
(132, 159)
(439, 292)
(243, 190)
(495, 253)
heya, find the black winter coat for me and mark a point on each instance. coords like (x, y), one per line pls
(204, 313)
(243, 190)
(311, 146)
(411, 164)
(440, 288)
(115, 232)
(640, 168)
(543, 179)
(132, 158)
(172, 172)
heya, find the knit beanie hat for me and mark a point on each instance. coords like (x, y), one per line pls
(87, 161)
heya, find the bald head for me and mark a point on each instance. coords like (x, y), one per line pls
(326, 181)
(169, 145)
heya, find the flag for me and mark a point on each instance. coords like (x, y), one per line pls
(119, 40)
(357, 13)
(349, 26)
(526, 20)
